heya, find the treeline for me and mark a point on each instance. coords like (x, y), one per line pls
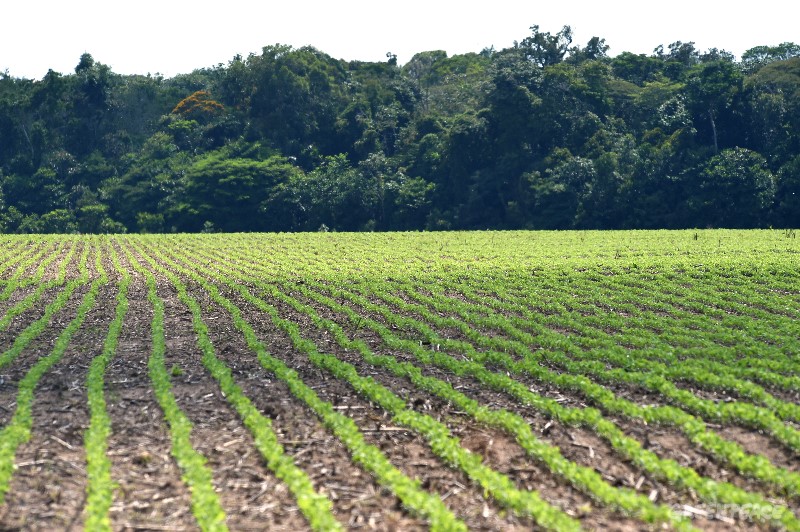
(545, 134)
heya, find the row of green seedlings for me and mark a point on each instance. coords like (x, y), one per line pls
(318, 275)
(315, 507)
(441, 441)
(34, 329)
(100, 486)
(592, 296)
(668, 470)
(787, 480)
(11, 252)
(771, 347)
(510, 249)
(662, 359)
(654, 337)
(206, 507)
(762, 339)
(703, 367)
(18, 251)
(743, 360)
(749, 293)
(18, 430)
(783, 282)
(707, 305)
(13, 256)
(497, 354)
(752, 372)
(44, 256)
(31, 299)
(595, 351)
(367, 456)
(755, 392)
(597, 311)
(709, 374)
(378, 261)
(260, 240)
(584, 479)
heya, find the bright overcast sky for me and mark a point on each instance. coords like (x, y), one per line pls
(172, 36)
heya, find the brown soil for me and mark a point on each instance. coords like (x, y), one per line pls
(48, 489)
(407, 451)
(151, 493)
(499, 450)
(15, 370)
(574, 443)
(248, 491)
(359, 500)
(753, 442)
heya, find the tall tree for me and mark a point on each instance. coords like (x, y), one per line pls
(712, 89)
(736, 190)
(544, 48)
(760, 56)
(91, 105)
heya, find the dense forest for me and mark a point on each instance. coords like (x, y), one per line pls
(546, 134)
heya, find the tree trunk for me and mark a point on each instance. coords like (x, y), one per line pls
(713, 130)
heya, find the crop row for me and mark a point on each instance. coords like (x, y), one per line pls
(624, 316)
(712, 496)
(438, 436)
(682, 477)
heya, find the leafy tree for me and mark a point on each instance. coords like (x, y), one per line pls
(423, 67)
(543, 48)
(235, 84)
(337, 195)
(137, 103)
(736, 190)
(94, 218)
(39, 193)
(712, 90)
(230, 192)
(595, 50)
(759, 56)
(787, 197)
(773, 94)
(514, 105)
(681, 57)
(199, 106)
(148, 222)
(292, 103)
(542, 134)
(91, 102)
(660, 187)
(412, 203)
(637, 68)
(448, 86)
(466, 148)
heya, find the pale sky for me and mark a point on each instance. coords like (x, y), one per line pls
(174, 36)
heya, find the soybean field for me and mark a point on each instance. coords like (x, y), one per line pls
(639, 380)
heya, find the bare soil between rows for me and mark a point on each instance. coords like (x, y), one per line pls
(48, 490)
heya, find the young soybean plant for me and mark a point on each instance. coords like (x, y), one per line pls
(99, 489)
(206, 507)
(315, 506)
(18, 429)
(437, 434)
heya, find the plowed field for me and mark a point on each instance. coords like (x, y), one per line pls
(445, 381)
